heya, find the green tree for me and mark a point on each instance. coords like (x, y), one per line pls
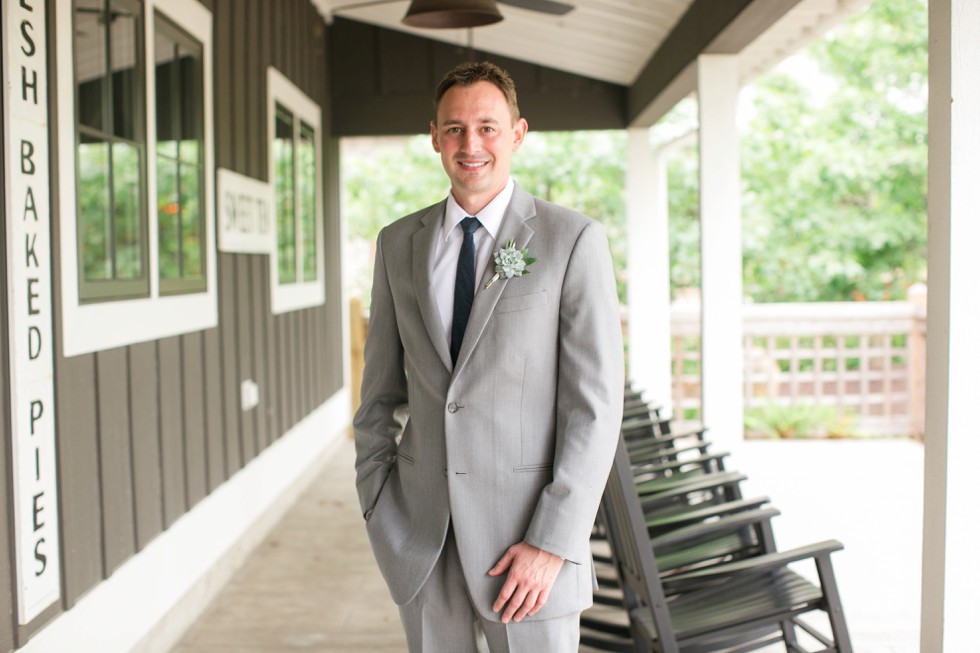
(385, 179)
(834, 168)
(585, 171)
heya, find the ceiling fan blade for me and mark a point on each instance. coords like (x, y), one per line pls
(552, 7)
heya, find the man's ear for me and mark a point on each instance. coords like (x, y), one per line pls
(432, 132)
(520, 131)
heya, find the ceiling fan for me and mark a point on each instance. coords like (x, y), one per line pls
(463, 13)
(552, 7)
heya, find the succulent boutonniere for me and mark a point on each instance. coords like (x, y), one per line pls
(511, 262)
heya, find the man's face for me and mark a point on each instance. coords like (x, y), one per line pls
(474, 134)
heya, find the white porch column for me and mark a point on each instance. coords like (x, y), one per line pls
(648, 259)
(952, 446)
(721, 250)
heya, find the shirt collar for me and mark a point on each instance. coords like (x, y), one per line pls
(490, 217)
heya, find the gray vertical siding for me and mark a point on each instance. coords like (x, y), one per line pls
(115, 457)
(147, 431)
(79, 494)
(395, 68)
(259, 270)
(172, 430)
(144, 391)
(243, 302)
(214, 419)
(195, 440)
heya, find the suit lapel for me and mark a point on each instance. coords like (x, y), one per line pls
(423, 249)
(514, 225)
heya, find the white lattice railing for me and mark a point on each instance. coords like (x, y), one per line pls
(837, 368)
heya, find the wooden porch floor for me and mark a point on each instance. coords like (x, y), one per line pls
(313, 585)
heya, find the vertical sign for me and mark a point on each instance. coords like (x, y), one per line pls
(29, 306)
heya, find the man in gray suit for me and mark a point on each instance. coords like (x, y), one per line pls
(492, 394)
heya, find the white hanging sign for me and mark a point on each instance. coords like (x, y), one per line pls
(29, 299)
(246, 214)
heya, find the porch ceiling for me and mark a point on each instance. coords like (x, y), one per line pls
(647, 46)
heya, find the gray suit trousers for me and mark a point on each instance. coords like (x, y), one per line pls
(442, 619)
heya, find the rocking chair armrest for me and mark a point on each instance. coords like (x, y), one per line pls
(643, 435)
(700, 514)
(699, 483)
(726, 524)
(698, 431)
(674, 464)
(761, 563)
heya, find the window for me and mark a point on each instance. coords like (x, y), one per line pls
(294, 152)
(179, 168)
(295, 172)
(135, 134)
(284, 162)
(110, 149)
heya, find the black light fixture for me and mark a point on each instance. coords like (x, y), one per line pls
(444, 14)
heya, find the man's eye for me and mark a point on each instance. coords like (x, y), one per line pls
(454, 130)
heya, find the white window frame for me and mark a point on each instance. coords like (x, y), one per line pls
(103, 325)
(297, 295)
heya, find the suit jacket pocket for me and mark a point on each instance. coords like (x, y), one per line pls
(405, 457)
(539, 467)
(515, 303)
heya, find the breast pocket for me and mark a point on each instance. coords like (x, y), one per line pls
(513, 304)
(530, 469)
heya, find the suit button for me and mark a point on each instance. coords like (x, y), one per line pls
(453, 407)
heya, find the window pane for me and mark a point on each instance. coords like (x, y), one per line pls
(282, 152)
(124, 55)
(95, 236)
(168, 210)
(90, 62)
(126, 186)
(190, 217)
(306, 178)
(191, 92)
(110, 158)
(180, 118)
(166, 69)
(190, 152)
(179, 62)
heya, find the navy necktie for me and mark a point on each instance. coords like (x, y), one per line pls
(465, 282)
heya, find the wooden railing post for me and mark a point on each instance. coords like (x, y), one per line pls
(917, 360)
(358, 335)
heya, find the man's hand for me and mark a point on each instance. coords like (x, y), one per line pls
(532, 573)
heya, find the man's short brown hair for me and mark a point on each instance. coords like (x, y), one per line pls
(471, 72)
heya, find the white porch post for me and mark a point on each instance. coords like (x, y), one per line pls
(950, 574)
(721, 250)
(648, 259)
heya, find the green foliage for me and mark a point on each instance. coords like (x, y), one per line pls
(834, 169)
(584, 171)
(797, 421)
(385, 179)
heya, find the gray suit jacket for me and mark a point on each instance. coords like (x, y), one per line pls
(516, 442)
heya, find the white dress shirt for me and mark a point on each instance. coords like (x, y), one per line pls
(443, 273)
